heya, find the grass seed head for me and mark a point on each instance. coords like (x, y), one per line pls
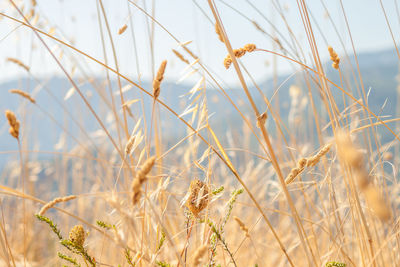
(157, 81)
(77, 235)
(198, 196)
(14, 124)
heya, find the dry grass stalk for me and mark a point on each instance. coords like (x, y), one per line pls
(349, 154)
(307, 162)
(242, 226)
(158, 79)
(122, 29)
(141, 177)
(180, 56)
(14, 124)
(199, 197)
(18, 62)
(219, 33)
(334, 57)
(198, 255)
(77, 235)
(23, 94)
(248, 48)
(52, 203)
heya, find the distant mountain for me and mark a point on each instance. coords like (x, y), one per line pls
(379, 70)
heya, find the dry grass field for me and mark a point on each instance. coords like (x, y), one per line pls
(113, 172)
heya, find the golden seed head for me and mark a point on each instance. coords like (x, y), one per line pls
(141, 177)
(157, 81)
(23, 94)
(180, 56)
(77, 235)
(238, 53)
(198, 196)
(14, 123)
(250, 47)
(122, 29)
(334, 57)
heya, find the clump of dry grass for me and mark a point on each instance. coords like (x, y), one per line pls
(14, 124)
(52, 203)
(141, 177)
(248, 48)
(23, 94)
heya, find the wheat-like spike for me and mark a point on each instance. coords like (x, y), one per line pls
(52, 203)
(122, 29)
(23, 94)
(14, 124)
(18, 62)
(141, 177)
(158, 79)
(180, 56)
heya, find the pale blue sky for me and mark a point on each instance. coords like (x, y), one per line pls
(77, 19)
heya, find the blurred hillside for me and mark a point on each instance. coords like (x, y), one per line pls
(378, 69)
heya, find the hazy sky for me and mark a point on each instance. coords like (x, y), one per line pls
(77, 21)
